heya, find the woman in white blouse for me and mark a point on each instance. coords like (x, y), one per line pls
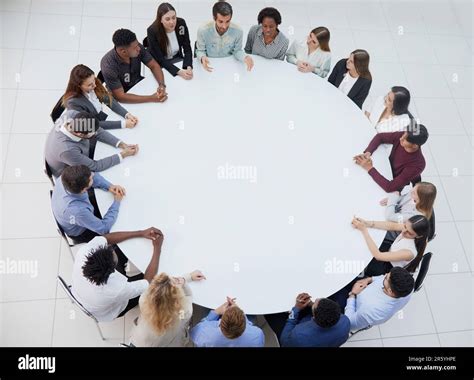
(406, 251)
(390, 112)
(312, 55)
(166, 308)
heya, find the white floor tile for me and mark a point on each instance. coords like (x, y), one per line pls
(66, 266)
(465, 110)
(72, 328)
(54, 67)
(39, 103)
(63, 7)
(26, 323)
(457, 339)
(451, 50)
(426, 81)
(331, 14)
(7, 103)
(430, 169)
(139, 27)
(414, 319)
(293, 13)
(413, 341)
(459, 192)
(13, 29)
(247, 11)
(4, 149)
(147, 9)
(404, 17)
(91, 59)
(448, 252)
(379, 45)
(92, 27)
(62, 33)
(448, 163)
(369, 17)
(27, 211)
(459, 80)
(447, 122)
(463, 12)
(414, 48)
(439, 17)
(385, 76)
(10, 67)
(363, 343)
(341, 44)
(15, 5)
(25, 159)
(450, 297)
(102, 8)
(466, 231)
(32, 265)
(197, 11)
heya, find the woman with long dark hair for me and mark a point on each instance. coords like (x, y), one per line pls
(85, 93)
(390, 113)
(406, 251)
(352, 76)
(168, 42)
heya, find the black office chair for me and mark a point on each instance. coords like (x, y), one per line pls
(425, 264)
(69, 242)
(145, 42)
(195, 47)
(48, 172)
(57, 110)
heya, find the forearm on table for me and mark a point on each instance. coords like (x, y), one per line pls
(118, 237)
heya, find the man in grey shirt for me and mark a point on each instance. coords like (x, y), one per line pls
(121, 69)
(68, 143)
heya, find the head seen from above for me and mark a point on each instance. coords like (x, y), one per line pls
(233, 322)
(414, 137)
(319, 38)
(269, 18)
(77, 179)
(126, 43)
(326, 312)
(100, 264)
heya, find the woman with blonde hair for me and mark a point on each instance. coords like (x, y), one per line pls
(85, 92)
(166, 308)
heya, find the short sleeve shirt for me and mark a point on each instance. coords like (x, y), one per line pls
(118, 73)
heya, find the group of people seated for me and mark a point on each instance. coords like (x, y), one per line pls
(100, 281)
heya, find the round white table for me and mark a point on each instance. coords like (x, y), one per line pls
(250, 177)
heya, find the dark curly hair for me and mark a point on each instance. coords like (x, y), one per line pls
(99, 265)
(123, 37)
(327, 313)
(271, 13)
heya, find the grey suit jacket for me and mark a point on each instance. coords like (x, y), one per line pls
(81, 103)
(62, 151)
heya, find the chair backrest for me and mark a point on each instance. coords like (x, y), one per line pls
(60, 229)
(416, 180)
(100, 77)
(425, 264)
(432, 233)
(195, 47)
(145, 42)
(48, 172)
(67, 290)
(57, 111)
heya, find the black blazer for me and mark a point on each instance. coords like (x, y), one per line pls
(185, 52)
(359, 91)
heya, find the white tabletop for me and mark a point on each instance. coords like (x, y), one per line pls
(250, 177)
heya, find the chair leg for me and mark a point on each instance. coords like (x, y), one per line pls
(70, 251)
(100, 331)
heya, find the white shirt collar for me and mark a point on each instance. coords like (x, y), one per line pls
(64, 130)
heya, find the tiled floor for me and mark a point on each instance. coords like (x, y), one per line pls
(424, 45)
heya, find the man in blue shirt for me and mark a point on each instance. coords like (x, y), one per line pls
(220, 38)
(227, 326)
(74, 211)
(318, 324)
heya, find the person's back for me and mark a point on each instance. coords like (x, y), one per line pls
(232, 330)
(318, 325)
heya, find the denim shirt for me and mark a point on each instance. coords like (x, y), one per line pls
(210, 44)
